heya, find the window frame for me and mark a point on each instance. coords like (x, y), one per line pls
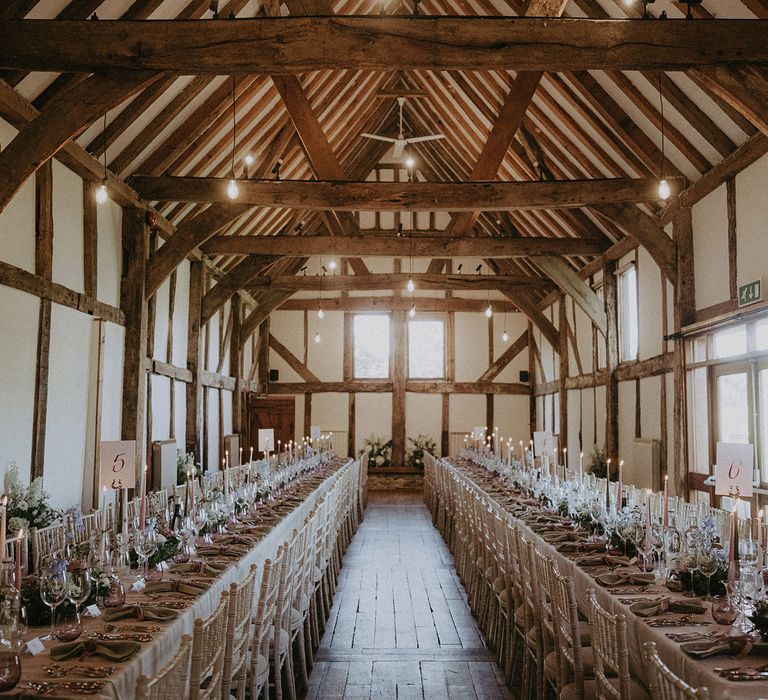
(421, 317)
(389, 345)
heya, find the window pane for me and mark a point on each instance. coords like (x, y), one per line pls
(698, 417)
(628, 319)
(732, 408)
(371, 333)
(730, 342)
(761, 334)
(426, 349)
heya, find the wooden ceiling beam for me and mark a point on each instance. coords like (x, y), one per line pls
(397, 280)
(237, 278)
(64, 119)
(387, 246)
(423, 304)
(409, 196)
(295, 45)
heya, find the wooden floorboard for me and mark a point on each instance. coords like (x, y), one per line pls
(400, 627)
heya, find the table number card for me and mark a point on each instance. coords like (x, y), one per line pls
(734, 469)
(544, 443)
(266, 440)
(117, 464)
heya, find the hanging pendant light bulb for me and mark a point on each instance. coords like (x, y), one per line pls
(233, 191)
(505, 336)
(317, 337)
(412, 311)
(332, 264)
(101, 193)
(411, 287)
(320, 313)
(664, 190)
(249, 159)
(489, 311)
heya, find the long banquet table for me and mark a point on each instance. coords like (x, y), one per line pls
(694, 671)
(121, 684)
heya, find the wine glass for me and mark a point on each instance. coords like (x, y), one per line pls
(708, 565)
(78, 588)
(724, 610)
(53, 591)
(145, 545)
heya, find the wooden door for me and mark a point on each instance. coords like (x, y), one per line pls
(276, 413)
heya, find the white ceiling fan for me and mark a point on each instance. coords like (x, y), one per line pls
(401, 142)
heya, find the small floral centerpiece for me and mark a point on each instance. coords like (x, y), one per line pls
(598, 465)
(185, 462)
(422, 444)
(759, 618)
(167, 547)
(28, 506)
(380, 452)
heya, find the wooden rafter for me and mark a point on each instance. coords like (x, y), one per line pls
(378, 43)
(409, 196)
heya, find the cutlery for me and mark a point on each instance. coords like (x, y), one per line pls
(82, 687)
(59, 671)
(150, 629)
(132, 637)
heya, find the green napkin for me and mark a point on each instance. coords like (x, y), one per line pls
(580, 546)
(650, 607)
(184, 587)
(231, 551)
(142, 614)
(610, 580)
(199, 568)
(114, 650)
(600, 559)
(738, 646)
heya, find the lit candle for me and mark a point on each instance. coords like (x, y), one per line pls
(760, 544)
(104, 502)
(533, 454)
(18, 559)
(619, 485)
(226, 483)
(581, 473)
(565, 463)
(647, 538)
(733, 549)
(143, 498)
(4, 504)
(186, 494)
(608, 483)
(666, 501)
(522, 456)
(241, 457)
(250, 455)
(124, 496)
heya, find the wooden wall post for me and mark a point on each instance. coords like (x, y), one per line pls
(611, 360)
(44, 268)
(235, 365)
(562, 319)
(398, 388)
(684, 313)
(531, 380)
(194, 430)
(263, 373)
(135, 243)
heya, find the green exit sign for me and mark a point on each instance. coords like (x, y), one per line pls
(750, 293)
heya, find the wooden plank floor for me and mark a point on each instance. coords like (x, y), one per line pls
(400, 626)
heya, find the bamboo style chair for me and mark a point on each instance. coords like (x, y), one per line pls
(239, 632)
(47, 541)
(258, 675)
(208, 648)
(663, 683)
(171, 680)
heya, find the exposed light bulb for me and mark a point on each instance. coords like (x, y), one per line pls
(332, 265)
(320, 313)
(664, 190)
(412, 312)
(411, 287)
(233, 191)
(505, 336)
(317, 337)
(489, 311)
(249, 159)
(409, 162)
(102, 195)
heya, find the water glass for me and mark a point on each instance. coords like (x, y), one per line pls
(53, 591)
(724, 609)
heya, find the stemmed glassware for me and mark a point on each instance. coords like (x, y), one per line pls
(53, 591)
(78, 588)
(707, 564)
(145, 544)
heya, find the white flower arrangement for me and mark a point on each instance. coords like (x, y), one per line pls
(28, 506)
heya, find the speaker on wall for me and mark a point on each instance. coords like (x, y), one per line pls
(274, 375)
(523, 376)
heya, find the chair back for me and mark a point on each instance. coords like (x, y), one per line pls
(46, 541)
(208, 647)
(568, 630)
(609, 646)
(171, 680)
(664, 684)
(265, 614)
(549, 634)
(238, 628)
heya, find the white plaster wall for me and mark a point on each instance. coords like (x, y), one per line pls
(751, 218)
(373, 416)
(511, 416)
(423, 416)
(17, 220)
(471, 346)
(326, 358)
(109, 254)
(710, 248)
(651, 313)
(161, 407)
(18, 348)
(67, 228)
(71, 370)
